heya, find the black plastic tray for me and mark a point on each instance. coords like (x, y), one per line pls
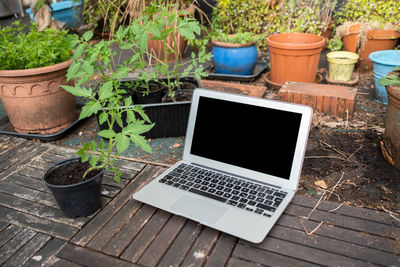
(5, 124)
(261, 66)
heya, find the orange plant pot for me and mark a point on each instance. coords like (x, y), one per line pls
(34, 100)
(294, 56)
(377, 40)
(155, 47)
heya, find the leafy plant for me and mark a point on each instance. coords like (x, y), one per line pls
(391, 78)
(239, 38)
(95, 62)
(21, 50)
(161, 22)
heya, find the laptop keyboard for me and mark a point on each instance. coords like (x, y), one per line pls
(253, 197)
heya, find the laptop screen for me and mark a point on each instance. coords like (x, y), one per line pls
(252, 137)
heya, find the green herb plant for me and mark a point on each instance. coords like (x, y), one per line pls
(95, 64)
(239, 38)
(21, 50)
(391, 78)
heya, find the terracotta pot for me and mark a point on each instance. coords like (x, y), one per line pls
(34, 100)
(377, 40)
(155, 47)
(391, 137)
(294, 56)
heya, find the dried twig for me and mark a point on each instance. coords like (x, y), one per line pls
(352, 154)
(334, 187)
(334, 149)
(391, 214)
(338, 207)
(314, 230)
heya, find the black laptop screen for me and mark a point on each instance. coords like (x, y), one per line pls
(251, 137)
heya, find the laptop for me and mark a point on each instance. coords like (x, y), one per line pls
(241, 164)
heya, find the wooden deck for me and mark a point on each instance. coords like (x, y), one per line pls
(33, 231)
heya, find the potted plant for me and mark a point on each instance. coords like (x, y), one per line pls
(235, 53)
(76, 182)
(33, 66)
(391, 138)
(366, 26)
(160, 21)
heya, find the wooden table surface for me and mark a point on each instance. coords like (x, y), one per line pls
(33, 231)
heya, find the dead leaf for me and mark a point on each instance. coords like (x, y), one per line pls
(321, 184)
(176, 145)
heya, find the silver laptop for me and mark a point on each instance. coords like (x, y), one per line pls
(241, 164)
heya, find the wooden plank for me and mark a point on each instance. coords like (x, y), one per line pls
(42, 211)
(28, 250)
(23, 158)
(201, 248)
(332, 231)
(85, 257)
(222, 250)
(30, 171)
(140, 243)
(341, 221)
(8, 233)
(3, 225)
(334, 246)
(57, 262)
(28, 194)
(36, 223)
(44, 255)
(12, 246)
(114, 225)
(97, 223)
(182, 244)
(121, 240)
(161, 243)
(304, 253)
(258, 256)
(29, 182)
(347, 210)
(234, 262)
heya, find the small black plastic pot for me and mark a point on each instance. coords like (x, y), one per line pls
(76, 200)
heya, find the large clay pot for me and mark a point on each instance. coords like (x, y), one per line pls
(294, 56)
(377, 40)
(34, 100)
(391, 137)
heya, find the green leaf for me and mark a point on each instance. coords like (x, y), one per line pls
(90, 108)
(141, 142)
(87, 35)
(78, 91)
(103, 117)
(122, 141)
(107, 134)
(106, 90)
(137, 128)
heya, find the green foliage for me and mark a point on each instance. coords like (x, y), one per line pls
(239, 38)
(382, 11)
(161, 22)
(95, 62)
(268, 17)
(20, 50)
(391, 78)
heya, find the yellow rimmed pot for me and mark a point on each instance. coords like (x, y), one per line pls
(341, 65)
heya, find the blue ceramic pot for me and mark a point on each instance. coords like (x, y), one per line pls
(383, 62)
(237, 59)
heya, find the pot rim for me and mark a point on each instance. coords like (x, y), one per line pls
(36, 71)
(344, 57)
(70, 185)
(216, 42)
(295, 45)
(374, 57)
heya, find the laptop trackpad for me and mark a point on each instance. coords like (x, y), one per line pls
(202, 209)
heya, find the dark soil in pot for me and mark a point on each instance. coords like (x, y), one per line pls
(75, 197)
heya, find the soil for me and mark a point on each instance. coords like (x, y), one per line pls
(69, 174)
(343, 159)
